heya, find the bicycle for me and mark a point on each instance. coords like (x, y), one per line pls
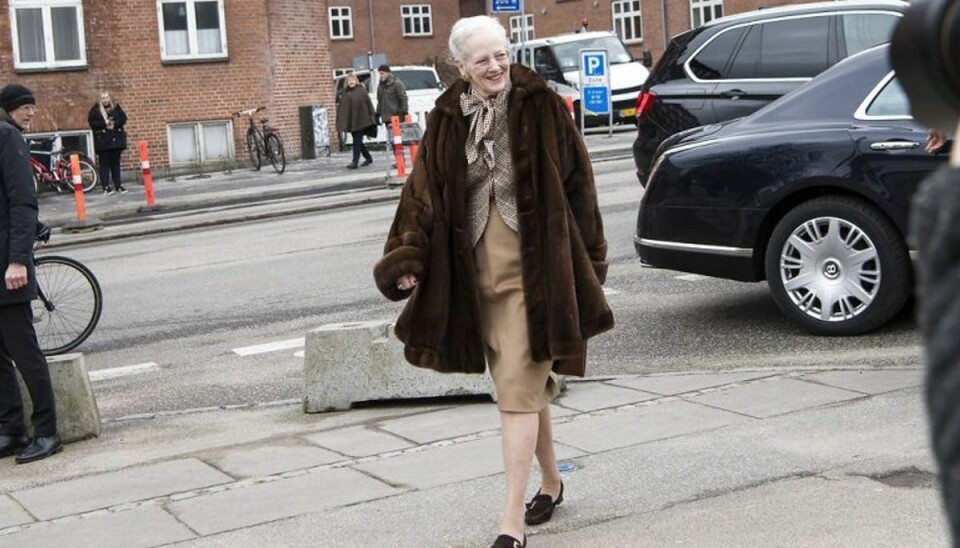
(263, 143)
(69, 300)
(59, 176)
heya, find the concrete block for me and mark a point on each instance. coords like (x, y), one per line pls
(78, 417)
(362, 361)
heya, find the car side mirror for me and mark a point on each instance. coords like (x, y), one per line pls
(647, 58)
(441, 85)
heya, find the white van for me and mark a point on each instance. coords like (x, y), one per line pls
(558, 59)
(423, 88)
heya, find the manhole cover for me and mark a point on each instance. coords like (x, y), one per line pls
(907, 478)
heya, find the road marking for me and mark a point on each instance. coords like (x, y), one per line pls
(125, 371)
(299, 354)
(691, 277)
(269, 347)
(610, 291)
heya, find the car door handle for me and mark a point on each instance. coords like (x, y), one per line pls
(733, 93)
(895, 145)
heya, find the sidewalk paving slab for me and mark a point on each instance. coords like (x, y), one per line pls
(595, 434)
(774, 397)
(271, 458)
(673, 384)
(869, 381)
(591, 396)
(123, 486)
(359, 441)
(11, 513)
(142, 527)
(283, 498)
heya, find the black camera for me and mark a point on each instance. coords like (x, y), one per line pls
(925, 52)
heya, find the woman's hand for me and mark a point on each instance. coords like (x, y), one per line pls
(935, 141)
(405, 283)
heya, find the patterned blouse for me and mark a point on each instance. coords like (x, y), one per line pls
(489, 164)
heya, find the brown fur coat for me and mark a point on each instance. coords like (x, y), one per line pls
(562, 245)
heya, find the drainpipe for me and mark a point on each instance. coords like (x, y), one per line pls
(666, 32)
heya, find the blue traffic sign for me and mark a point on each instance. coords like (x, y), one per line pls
(594, 64)
(505, 6)
(596, 100)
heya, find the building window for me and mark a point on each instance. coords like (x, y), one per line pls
(627, 20)
(200, 142)
(191, 30)
(516, 28)
(417, 20)
(704, 11)
(47, 34)
(341, 23)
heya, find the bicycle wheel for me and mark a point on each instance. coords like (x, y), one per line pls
(253, 149)
(275, 152)
(89, 177)
(68, 306)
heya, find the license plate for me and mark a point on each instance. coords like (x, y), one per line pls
(628, 112)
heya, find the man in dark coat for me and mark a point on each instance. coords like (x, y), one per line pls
(391, 97)
(563, 247)
(18, 340)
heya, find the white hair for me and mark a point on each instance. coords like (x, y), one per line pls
(466, 28)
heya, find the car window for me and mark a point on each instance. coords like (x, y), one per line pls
(864, 30)
(568, 54)
(711, 61)
(891, 101)
(747, 62)
(795, 48)
(417, 79)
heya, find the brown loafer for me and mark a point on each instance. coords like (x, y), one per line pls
(540, 508)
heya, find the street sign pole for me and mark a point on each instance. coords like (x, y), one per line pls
(523, 25)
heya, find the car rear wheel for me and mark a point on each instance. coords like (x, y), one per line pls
(837, 266)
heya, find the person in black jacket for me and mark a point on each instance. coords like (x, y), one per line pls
(107, 120)
(935, 229)
(18, 340)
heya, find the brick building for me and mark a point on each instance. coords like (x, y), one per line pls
(178, 67)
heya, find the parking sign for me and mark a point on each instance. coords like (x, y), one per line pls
(594, 81)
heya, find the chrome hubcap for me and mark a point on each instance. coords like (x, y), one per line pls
(830, 269)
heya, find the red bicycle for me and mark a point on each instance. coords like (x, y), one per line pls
(56, 173)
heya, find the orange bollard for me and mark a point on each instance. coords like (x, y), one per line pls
(147, 174)
(412, 145)
(398, 146)
(78, 188)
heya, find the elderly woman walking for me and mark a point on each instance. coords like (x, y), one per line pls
(355, 115)
(498, 244)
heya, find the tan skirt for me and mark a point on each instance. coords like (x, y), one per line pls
(523, 385)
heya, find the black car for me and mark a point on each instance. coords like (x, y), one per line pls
(810, 193)
(733, 66)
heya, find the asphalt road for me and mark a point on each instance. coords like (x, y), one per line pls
(183, 310)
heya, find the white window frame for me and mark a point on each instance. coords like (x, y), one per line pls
(338, 72)
(629, 10)
(704, 6)
(198, 134)
(412, 12)
(48, 38)
(86, 134)
(516, 28)
(192, 32)
(340, 14)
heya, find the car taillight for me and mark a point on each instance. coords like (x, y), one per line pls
(644, 103)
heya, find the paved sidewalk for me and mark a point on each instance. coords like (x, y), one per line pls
(818, 457)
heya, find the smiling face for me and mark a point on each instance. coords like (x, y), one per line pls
(105, 98)
(485, 63)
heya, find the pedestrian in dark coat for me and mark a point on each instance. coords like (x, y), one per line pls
(498, 244)
(935, 230)
(18, 340)
(355, 115)
(391, 97)
(107, 120)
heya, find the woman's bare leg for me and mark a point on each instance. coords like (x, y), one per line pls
(547, 456)
(519, 444)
